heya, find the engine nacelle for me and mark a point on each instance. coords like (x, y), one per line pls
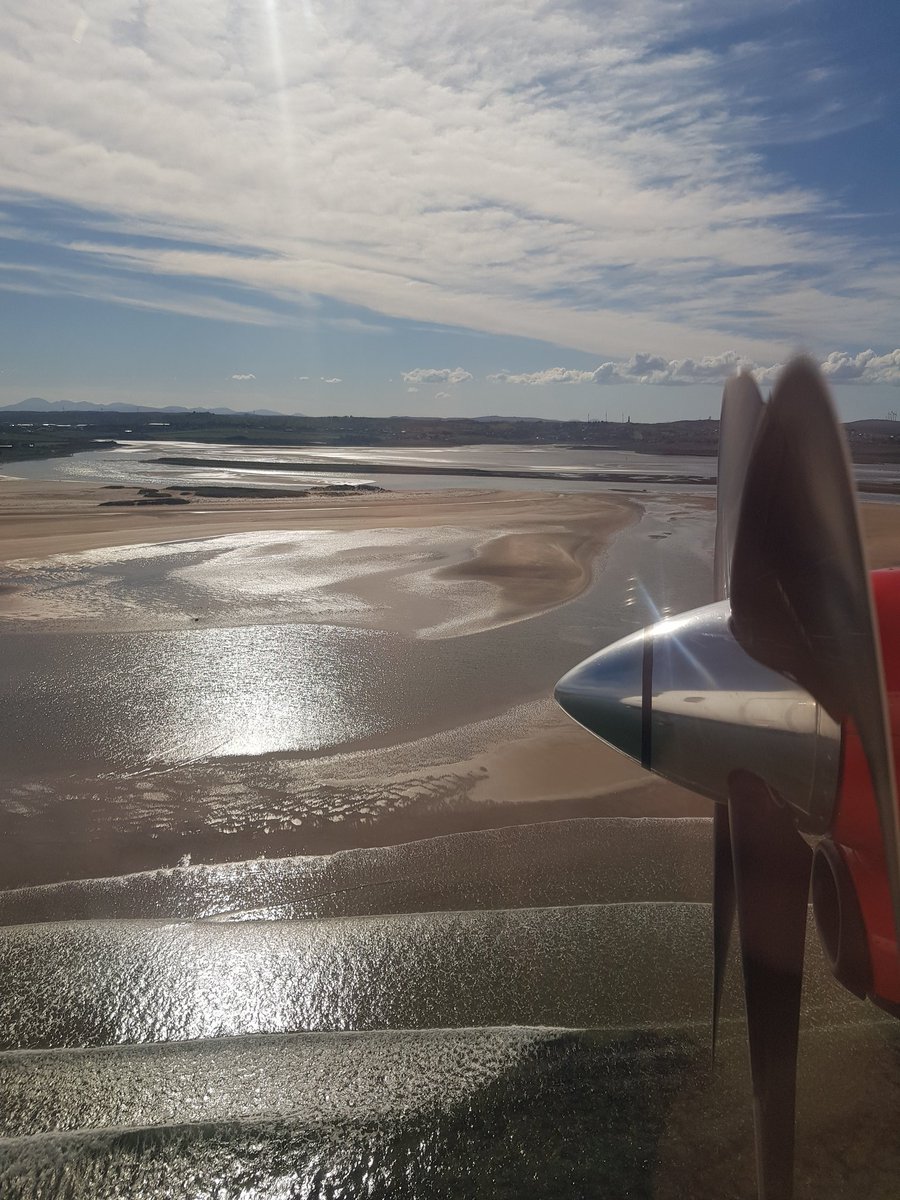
(839, 919)
(856, 830)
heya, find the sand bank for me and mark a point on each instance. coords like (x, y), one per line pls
(373, 467)
(533, 569)
(38, 519)
(436, 564)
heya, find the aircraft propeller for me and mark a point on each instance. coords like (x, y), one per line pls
(742, 410)
(772, 702)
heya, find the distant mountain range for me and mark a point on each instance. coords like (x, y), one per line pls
(505, 417)
(39, 404)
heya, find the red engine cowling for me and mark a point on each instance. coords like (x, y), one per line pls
(850, 885)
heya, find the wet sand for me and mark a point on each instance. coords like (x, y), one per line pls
(39, 519)
(496, 557)
(531, 764)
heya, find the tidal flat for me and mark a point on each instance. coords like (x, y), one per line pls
(310, 891)
(347, 673)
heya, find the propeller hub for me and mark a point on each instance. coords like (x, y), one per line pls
(605, 694)
(687, 702)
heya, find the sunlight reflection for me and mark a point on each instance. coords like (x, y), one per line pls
(255, 691)
(638, 594)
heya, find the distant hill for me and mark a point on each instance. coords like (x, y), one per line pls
(500, 417)
(875, 425)
(35, 404)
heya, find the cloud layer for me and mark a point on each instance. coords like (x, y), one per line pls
(552, 172)
(837, 367)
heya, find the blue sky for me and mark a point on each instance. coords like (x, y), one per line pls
(447, 207)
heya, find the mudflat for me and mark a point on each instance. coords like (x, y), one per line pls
(489, 557)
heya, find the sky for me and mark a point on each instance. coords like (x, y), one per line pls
(448, 207)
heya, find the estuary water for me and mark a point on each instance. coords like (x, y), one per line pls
(135, 463)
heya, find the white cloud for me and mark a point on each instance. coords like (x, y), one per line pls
(131, 291)
(541, 171)
(412, 389)
(442, 395)
(551, 375)
(437, 375)
(866, 367)
(243, 377)
(334, 380)
(837, 367)
(652, 368)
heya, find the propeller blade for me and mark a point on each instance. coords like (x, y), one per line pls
(772, 865)
(742, 410)
(723, 907)
(800, 593)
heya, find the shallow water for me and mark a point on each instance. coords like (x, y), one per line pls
(101, 982)
(120, 702)
(526, 866)
(633, 1110)
(133, 463)
(507, 1114)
